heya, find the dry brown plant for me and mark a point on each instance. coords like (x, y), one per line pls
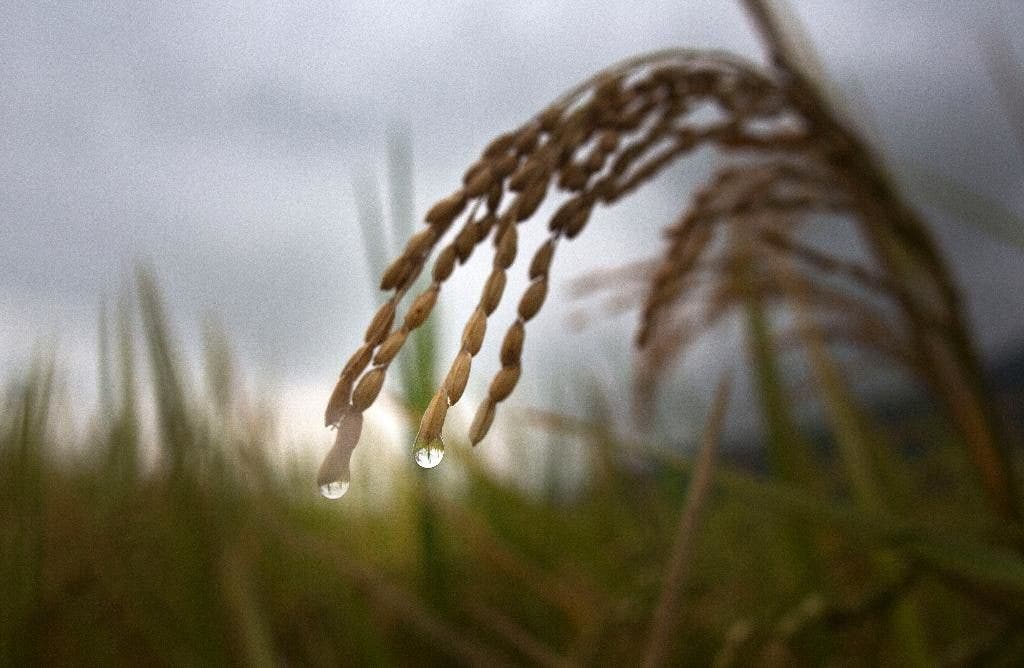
(786, 156)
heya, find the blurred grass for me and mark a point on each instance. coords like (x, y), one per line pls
(187, 546)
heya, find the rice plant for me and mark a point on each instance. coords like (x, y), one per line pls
(736, 245)
(786, 157)
(166, 532)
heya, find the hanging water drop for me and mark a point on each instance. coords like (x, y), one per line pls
(334, 476)
(429, 454)
(335, 489)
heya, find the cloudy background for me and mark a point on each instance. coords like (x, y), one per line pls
(218, 142)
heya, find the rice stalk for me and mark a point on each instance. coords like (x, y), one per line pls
(791, 158)
(597, 143)
(904, 248)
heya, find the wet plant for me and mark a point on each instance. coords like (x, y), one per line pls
(171, 529)
(785, 156)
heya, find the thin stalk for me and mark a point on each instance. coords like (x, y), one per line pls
(665, 615)
(907, 251)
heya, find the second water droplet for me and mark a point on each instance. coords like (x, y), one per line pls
(334, 490)
(429, 454)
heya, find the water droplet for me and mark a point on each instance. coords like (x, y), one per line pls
(334, 490)
(429, 454)
(334, 475)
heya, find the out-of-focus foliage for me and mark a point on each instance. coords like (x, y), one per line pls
(187, 546)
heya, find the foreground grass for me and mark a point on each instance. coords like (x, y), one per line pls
(205, 553)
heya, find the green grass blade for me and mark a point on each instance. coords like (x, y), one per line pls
(172, 412)
(218, 367)
(790, 453)
(948, 550)
(965, 203)
(106, 385)
(400, 183)
(858, 445)
(370, 215)
(126, 442)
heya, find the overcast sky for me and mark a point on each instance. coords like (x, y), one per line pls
(217, 141)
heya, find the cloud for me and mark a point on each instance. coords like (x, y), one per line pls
(217, 141)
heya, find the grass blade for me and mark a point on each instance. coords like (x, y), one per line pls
(665, 613)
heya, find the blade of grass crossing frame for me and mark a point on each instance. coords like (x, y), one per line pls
(659, 639)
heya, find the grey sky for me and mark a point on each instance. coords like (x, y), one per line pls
(217, 141)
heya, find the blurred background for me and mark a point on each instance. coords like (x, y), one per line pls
(224, 145)
(232, 149)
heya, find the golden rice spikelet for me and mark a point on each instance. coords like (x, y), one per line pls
(500, 145)
(512, 345)
(493, 289)
(530, 200)
(421, 307)
(381, 323)
(465, 242)
(533, 299)
(526, 140)
(359, 360)
(566, 213)
(494, 198)
(444, 212)
(531, 173)
(484, 226)
(505, 165)
(507, 247)
(473, 334)
(480, 182)
(444, 265)
(397, 273)
(433, 418)
(391, 346)
(420, 243)
(549, 118)
(575, 224)
(458, 376)
(503, 383)
(482, 421)
(541, 261)
(368, 388)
